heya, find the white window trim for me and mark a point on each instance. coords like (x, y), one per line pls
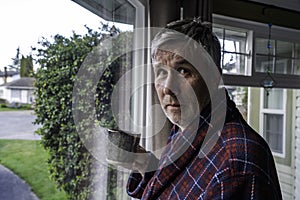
(138, 76)
(274, 111)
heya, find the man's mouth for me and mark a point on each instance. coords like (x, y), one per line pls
(173, 106)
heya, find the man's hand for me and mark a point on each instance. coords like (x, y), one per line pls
(143, 162)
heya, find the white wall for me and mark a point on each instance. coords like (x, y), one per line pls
(26, 96)
(286, 179)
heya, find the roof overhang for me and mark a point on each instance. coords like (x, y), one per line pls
(111, 10)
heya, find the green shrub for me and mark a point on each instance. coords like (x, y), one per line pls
(26, 106)
(3, 106)
(3, 101)
(70, 163)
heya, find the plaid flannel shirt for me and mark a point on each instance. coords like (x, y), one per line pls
(239, 166)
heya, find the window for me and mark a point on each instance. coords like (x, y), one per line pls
(112, 182)
(272, 120)
(16, 94)
(297, 59)
(282, 58)
(246, 58)
(235, 53)
(240, 96)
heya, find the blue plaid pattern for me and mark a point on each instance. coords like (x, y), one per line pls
(239, 166)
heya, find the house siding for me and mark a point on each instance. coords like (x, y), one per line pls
(286, 179)
(284, 165)
(297, 147)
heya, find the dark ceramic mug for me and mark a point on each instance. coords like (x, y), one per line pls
(121, 146)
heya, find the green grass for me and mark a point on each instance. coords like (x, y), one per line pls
(27, 159)
(23, 107)
(8, 109)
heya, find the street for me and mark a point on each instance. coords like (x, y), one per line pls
(18, 125)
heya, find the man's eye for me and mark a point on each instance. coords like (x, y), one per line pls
(183, 71)
(161, 72)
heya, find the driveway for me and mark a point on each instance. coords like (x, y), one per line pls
(14, 188)
(18, 125)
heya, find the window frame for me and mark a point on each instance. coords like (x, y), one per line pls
(138, 59)
(248, 47)
(274, 111)
(276, 58)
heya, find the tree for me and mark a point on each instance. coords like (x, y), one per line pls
(16, 61)
(71, 164)
(26, 66)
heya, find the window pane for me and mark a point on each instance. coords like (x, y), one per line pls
(297, 51)
(235, 59)
(283, 66)
(240, 96)
(233, 63)
(235, 41)
(261, 46)
(284, 49)
(274, 100)
(285, 60)
(219, 34)
(297, 67)
(264, 63)
(273, 131)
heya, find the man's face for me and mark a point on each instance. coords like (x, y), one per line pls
(181, 90)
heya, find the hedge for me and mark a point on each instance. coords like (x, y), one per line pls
(71, 165)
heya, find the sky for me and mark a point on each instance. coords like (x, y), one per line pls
(24, 22)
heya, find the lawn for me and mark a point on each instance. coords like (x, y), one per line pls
(23, 107)
(27, 159)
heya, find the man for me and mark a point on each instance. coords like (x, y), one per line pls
(212, 153)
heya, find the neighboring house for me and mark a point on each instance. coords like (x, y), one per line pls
(18, 91)
(11, 76)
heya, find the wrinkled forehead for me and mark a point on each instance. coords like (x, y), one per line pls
(179, 51)
(163, 55)
(174, 52)
(168, 39)
(176, 43)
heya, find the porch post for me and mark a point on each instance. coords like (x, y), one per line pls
(163, 12)
(198, 8)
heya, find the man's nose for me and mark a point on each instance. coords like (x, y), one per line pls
(170, 86)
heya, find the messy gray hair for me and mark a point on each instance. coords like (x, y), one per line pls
(194, 29)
